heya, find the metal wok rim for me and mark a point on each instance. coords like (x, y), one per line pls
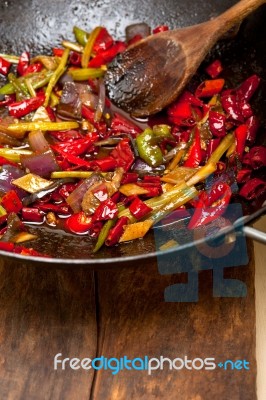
(236, 226)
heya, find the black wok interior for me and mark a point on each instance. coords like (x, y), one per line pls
(37, 26)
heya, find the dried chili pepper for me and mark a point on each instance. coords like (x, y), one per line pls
(139, 209)
(212, 145)
(57, 52)
(103, 41)
(217, 123)
(241, 137)
(77, 161)
(211, 205)
(123, 154)
(257, 155)
(121, 124)
(23, 63)
(61, 209)
(106, 210)
(105, 57)
(76, 147)
(194, 156)
(129, 177)
(32, 68)
(24, 107)
(181, 112)
(152, 190)
(214, 69)
(248, 87)
(231, 106)
(243, 175)
(101, 192)
(209, 88)
(7, 246)
(75, 58)
(116, 232)
(78, 223)
(66, 136)
(32, 214)
(253, 189)
(4, 66)
(11, 202)
(253, 126)
(104, 164)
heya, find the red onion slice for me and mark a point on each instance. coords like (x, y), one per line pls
(42, 164)
(37, 141)
(74, 200)
(101, 101)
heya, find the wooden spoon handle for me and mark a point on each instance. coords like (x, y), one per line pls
(236, 14)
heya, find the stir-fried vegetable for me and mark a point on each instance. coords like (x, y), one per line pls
(72, 160)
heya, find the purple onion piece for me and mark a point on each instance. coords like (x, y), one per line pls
(101, 102)
(65, 78)
(9, 173)
(70, 103)
(42, 164)
(74, 200)
(144, 169)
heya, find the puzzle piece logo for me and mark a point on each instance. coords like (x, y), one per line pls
(215, 246)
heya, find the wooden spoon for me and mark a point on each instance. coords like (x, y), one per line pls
(151, 74)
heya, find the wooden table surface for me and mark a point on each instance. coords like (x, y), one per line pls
(82, 313)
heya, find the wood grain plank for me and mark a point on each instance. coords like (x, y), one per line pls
(44, 312)
(135, 321)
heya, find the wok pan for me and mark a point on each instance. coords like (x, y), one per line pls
(36, 26)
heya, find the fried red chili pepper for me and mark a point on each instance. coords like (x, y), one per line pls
(24, 107)
(139, 209)
(211, 205)
(241, 138)
(23, 63)
(209, 88)
(195, 153)
(116, 232)
(214, 69)
(4, 66)
(11, 202)
(253, 189)
(78, 223)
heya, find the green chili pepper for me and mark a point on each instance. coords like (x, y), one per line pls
(37, 79)
(149, 152)
(162, 130)
(106, 228)
(80, 35)
(21, 92)
(103, 234)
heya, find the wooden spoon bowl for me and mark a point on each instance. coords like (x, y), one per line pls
(151, 74)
